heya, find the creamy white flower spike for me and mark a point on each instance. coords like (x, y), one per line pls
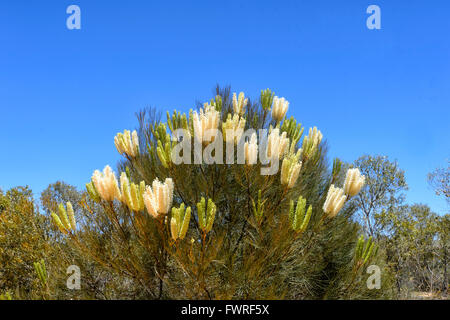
(106, 184)
(127, 143)
(239, 103)
(354, 181)
(158, 198)
(277, 144)
(205, 120)
(251, 150)
(236, 124)
(279, 108)
(334, 202)
(290, 169)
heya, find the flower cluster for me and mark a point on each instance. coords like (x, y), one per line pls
(236, 124)
(279, 108)
(179, 222)
(311, 142)
(354, 181)
(334, 202)
(65, 221)
(106, 184)
(127, 143)
(205, 120)
(299, 218)
(239, 103)
(206, 215)
(158, 198)
(251, 150)
(290, 169)
(277, 144)
(132, 194)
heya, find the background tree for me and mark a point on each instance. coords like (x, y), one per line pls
(22, 242)
(382, 192)
(440, 181)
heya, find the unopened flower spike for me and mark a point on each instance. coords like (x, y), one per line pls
(164, 152)
(363, 251)
(65, 220)
(266, 99)
(334, 202)
(354, 181)
(311, 142)
(41, 271)
(132, 193)
(179, 222)
(127, 143)
(92, 192)
(258, 209)
(279, 108)
(294, 132)
(299, 216)
(290, 169)
(234, 124)
(158, 197)
(206, 214)
(239, 103)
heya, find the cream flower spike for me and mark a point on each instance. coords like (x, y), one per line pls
(251, 150)
(334, 202)
(239, 103)
(279, 108)
(277, 144)
(127, 143)
(205, 120)
(235, 124)
(290, 169)
(354, 181)
(106, 184)
(158, 198)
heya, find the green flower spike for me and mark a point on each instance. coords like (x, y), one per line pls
(179, 222)
(299, 217)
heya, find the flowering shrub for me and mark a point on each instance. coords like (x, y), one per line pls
(198, 223)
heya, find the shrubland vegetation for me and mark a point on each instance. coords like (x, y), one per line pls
(161, 230)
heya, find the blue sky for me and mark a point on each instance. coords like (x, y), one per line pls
(64, 94)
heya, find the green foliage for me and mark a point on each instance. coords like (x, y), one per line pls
(385, 182)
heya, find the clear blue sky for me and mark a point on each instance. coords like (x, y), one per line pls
(64, 94)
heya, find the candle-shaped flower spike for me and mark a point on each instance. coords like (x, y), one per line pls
(298, 215)
(334, 202)
(207, 119)
(206, 214)
(65, 220)
(251, 150)
(132, 193)
(266, 99)
(311, 142)
(354, 181)
(239, 103)
(279, 108)
(233, 128)
(158, 198)
(277, 144)
(127, 143)
(290, 169)
(363, 251)
(179, 222)
(106, 184)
